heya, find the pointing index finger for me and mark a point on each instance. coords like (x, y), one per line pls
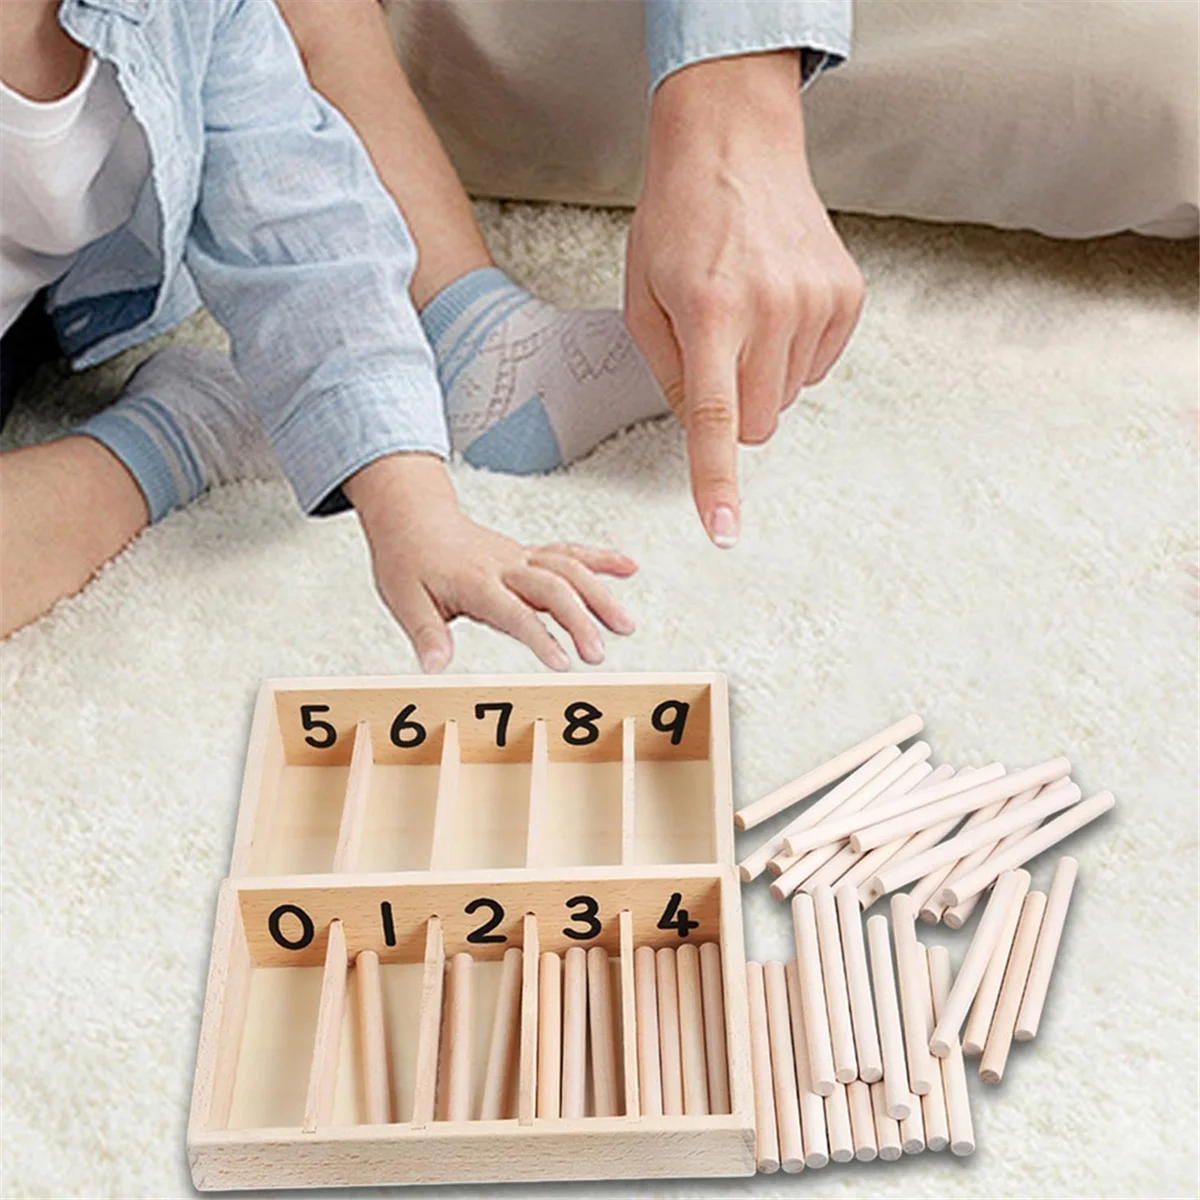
(711, 423)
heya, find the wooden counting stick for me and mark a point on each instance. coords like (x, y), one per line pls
(897, 778)
(920, 816)
(1000, 1036)
(921, 1066)
(858, 985)
(766, 1137)
(812, 995)
(980, 1021)
(498, 1077)
(373, 1038)
(1030, 846)
(603, 1033)
(887, 1130)
(1049, 936)
(549, 1086)
(574, 1038)
(819, 777)
(322, 1074)
(458, 1032)
(933, 1105)
(783, 1069)
(649, 1071)
(912, 1131)
(900, 1101)
(927, 889)
(945, 1035)
(629, 1018)
(862, 1121)
(527, 1069)
(856, 867)
(691, 1031)
(429, 1026)
(715, 1053)
(850, 819)
(847, 862)
(752, 866)
(837, 1000)
(954, 1075)
(812, 1106)
(837, 1120)
(1051, 800)
(669, 1047)
(958, 915)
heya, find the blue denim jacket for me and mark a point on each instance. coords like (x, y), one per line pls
(262, 203)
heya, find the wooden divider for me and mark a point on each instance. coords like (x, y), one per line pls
(441, 853)
(629, 1030)
(354, 806)
(322, 1074)
(528, 1076)
(628, 789)
(429, 1025)
(539, 797)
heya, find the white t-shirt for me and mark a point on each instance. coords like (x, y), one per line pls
(72, 170)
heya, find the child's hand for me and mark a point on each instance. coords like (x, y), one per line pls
(433, 563)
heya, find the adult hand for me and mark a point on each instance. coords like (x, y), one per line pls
(737, 287)
(433, 563)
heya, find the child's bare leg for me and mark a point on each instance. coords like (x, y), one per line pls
(66, 508)
(528, 386)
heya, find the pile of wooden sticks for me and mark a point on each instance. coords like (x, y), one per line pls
(894, 820)
(852, 1062)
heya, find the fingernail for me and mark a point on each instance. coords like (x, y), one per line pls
(559, 660)
(623, 622)
(434, 660)
(723, 526)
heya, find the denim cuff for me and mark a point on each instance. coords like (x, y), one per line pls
(336, 432)
(682, 32)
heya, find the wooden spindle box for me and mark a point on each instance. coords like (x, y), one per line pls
(429, 817)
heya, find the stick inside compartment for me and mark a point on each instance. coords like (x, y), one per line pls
(550, 1014)
(574, 1035)
(602, 1027)
(630, 1024)
(506, 1020)
(668, 1032)
(646, 993)
(322, 1075)
(429, 1026)
(715, 1037)
(530, 1022)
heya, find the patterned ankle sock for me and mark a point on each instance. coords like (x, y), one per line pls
(529, 386)
(184, 424)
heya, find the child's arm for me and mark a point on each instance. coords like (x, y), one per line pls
(303, 257)
(433, 563)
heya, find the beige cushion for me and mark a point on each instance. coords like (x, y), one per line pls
(1075, 118)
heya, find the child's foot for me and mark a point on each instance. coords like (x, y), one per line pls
(530, 386)
(184, 424)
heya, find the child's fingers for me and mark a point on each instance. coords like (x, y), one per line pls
(594, 594)
(551, 593)
(500, 608)
(418, 615)
(596, 558)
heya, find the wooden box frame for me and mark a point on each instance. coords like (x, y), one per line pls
(627, 805)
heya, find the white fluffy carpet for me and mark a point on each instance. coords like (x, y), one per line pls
(985, 515)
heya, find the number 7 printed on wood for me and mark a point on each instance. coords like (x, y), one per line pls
(437, 890)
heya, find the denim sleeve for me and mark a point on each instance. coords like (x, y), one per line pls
(300, 253)
(681, 32)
